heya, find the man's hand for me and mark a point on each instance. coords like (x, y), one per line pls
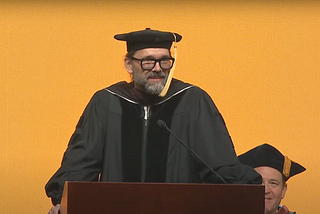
(283, 210)
(55, 209)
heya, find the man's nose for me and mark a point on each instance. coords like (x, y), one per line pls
(157, 67)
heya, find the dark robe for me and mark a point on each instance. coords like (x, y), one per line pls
(117, 139)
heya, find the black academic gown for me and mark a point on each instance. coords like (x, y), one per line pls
(117, 139)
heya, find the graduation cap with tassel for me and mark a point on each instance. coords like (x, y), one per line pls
(148, 38)
(267, 155)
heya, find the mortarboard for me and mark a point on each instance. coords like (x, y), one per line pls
(267, 155)
(148, 38)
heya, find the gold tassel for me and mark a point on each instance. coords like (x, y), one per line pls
(286, 167)
(167, 85)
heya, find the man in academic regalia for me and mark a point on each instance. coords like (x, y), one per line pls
(275, 169)
(118, 137)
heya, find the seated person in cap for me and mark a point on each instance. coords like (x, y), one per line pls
(275, 169)
(118, 137)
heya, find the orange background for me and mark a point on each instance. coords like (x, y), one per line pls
(259, 61)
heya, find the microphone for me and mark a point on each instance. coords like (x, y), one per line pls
(162, 124)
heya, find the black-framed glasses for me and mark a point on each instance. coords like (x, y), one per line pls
(149, 64)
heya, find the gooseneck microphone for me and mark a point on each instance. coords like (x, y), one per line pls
(162, 124)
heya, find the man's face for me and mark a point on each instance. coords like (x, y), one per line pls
(150, 81)
(275, 188)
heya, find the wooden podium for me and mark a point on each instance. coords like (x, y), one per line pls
(164, 198)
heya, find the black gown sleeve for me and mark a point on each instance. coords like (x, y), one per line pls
(83, 157)
(212, 141)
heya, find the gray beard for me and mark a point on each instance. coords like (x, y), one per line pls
(154, 88)
(151, 87)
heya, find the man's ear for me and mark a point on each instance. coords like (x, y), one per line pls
(128, 65)
(284, 190)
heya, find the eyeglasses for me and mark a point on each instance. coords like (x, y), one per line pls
(149, 64)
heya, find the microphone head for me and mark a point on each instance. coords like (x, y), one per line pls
(161, 123)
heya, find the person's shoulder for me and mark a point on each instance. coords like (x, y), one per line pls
(102, 94)
(179, 85)
(114, 88)
(193, 95)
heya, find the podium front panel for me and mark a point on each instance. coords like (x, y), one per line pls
(164, 198)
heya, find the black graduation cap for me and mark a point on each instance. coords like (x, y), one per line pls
(267, 155)
(148, 38)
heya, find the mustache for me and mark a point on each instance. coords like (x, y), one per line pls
(157, 74)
